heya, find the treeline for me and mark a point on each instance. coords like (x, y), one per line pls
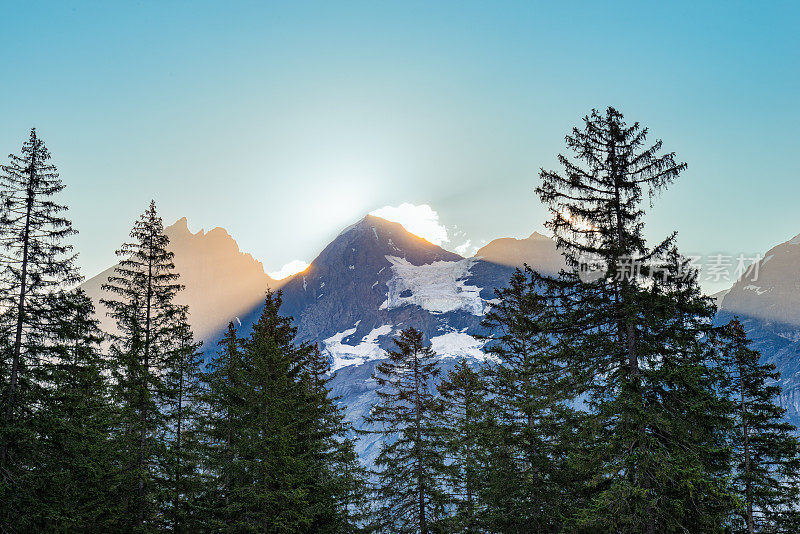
(608, 402)
(132, 431)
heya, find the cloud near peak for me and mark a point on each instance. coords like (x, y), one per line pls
(293, 267)
(421, 220)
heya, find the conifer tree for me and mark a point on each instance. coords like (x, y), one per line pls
(410, 465)
(75, 472)
(36, 260)
(614, 329)
(531, 481)
(182, 396)
(141, 299)
(462, 424)
(222, 420)
(262, 417)
(340, 495)
(767, 452)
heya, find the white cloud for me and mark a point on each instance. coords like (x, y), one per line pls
(293, 267)
(420, 220)
(463, 248)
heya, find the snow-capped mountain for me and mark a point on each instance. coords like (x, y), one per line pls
(221, 282)
(375, 279)
(766, 299)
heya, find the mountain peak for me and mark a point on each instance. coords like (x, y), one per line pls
(538, 236)
(538, 251)
(221, 282)
(379, 237)
(770, 289)
(181, 224)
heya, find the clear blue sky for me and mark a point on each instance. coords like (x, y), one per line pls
(284, 122)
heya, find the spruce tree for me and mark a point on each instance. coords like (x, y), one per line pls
(531, 479)
(410, 465)
(36, 260)
(141, 299)
(767, 451)
(182, 394)
(75, 472)
(262, 417)
(462, 425)
(221, 424)
(339, 497)
(614, 329)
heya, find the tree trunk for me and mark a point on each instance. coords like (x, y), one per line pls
(15, 359)
(746, 435)
(423, 525)
(145, 373)
(176, 502)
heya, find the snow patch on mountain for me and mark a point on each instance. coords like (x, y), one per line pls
(756, 289)
(341, 354)
(458, 345)
(437, 287)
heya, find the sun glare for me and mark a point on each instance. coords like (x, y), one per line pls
(420, 220)
(577, 222)
(293, 267)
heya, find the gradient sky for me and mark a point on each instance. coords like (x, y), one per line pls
(285, 122)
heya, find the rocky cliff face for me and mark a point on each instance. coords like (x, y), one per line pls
(537, 250)
(766, 299)
(221, 282)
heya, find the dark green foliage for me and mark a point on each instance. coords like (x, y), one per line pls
(411, 465)
(533, 433)
(182, 394)
(462, 423)
(766, 463)
(339, 493)
(632, 336)
(223, 405)
(141, 291)
(35, 260)
(277, 458)
(75, 475)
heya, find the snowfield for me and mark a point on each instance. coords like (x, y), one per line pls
(343, 355)
(437, 287)
(459, 345)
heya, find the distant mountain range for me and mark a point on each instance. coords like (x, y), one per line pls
(221, 282)
(766, 298)
(375, 278)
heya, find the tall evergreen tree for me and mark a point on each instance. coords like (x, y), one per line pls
(615, 327)
(223, 409)
(75, 477)
(339, 497)
(182, 394)
(272, 434)
(36, 260)
(462, 424)
(531, 481)
(767, 451)
(410, 465)
(141, 299)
